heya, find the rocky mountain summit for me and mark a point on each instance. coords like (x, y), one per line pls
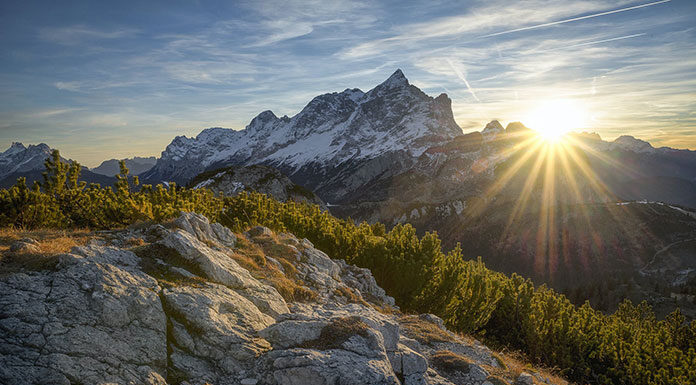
(19, 158)
(359, 150)
(194, 303)
(337, 144)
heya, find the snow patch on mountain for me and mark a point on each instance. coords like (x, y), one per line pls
(19, 158)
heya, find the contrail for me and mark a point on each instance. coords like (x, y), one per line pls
(601, 41)
(575, 18)
(461, 76)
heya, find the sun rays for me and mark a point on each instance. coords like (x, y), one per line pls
(543, 176)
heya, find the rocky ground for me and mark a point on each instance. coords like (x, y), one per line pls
(193, 303)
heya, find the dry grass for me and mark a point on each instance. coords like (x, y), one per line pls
(252, 256)
(349, 295)
(50, 243)
(249, 255)
(276, 246)
(134, 242)
(496, 380)
(423, 331)
(450, 362)
(337, 332)
(514, 363)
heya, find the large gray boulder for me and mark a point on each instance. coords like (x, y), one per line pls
(316, 367)
(98, 319)
(219, 267)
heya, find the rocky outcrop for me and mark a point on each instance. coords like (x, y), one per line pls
(97, 319)
(264, 179)
(189, 307)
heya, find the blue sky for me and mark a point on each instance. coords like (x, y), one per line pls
(114, 79)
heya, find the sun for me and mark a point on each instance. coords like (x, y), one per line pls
(554, 118)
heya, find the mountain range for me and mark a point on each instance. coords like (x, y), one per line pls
(136, 165)
(28, 162)
(357, 148)
(394, 154)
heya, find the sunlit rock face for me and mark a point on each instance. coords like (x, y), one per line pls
(181, 309)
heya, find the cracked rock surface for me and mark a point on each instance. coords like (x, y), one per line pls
(184, 310)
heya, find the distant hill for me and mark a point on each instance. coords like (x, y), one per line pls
(136, 166)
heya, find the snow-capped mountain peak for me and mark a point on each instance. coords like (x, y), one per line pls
(396, 80)
(331, 130)
(19, 158)
(14, 148)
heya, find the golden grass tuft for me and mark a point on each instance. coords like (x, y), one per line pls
(514, 363)
(423, 331)
(50, 243)
(450, 362)
(337, 332)
(496, 380)
(252, 256)
(349, 295)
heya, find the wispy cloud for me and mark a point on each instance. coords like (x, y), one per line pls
(78, 34)
(460, 74)
(463, 28)
(574, 19)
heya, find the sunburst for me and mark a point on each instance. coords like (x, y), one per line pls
(552, 119)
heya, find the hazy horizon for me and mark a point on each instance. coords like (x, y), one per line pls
(89, 78)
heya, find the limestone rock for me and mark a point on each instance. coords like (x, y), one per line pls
(195, 315)
(214, 330)
(293, 333)
(314, 367)
(98, 319)
(199, 226)
(221, 268)
(525, 379)
(26, 245)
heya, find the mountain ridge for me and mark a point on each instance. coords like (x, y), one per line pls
(136, 165)
(332, 130)
(28, 162)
